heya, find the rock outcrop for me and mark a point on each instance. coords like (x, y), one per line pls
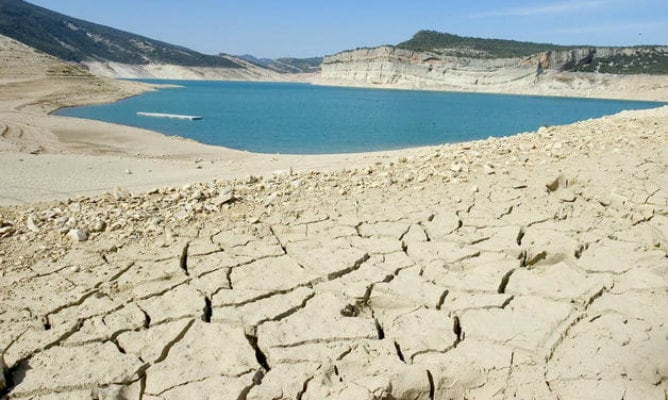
(553, 72)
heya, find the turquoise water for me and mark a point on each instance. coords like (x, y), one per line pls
(306, 119)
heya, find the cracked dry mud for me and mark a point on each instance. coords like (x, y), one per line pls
(546, 280)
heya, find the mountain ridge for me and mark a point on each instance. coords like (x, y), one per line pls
(76, 40)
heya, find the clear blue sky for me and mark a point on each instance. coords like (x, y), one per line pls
(301, 28)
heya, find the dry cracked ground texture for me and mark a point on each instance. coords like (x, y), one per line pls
(528, 288)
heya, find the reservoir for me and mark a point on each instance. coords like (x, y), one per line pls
(291, 118)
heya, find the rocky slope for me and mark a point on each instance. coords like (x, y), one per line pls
(552, 72)
(248, 72)
(110, 52)
(525, 267)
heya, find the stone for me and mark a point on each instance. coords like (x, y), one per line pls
(77, 235)
(6, 230)
(559, 182)
(458, 167)
(181, 215)
(99, 226)
(120, 193)
(32, 225)
(224, 197)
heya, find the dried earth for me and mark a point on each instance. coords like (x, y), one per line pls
(533, 266)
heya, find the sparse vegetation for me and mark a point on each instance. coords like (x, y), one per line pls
(644, 62)
(296, 65)
(474, 47)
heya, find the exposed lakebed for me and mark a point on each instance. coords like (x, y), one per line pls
(294, 118)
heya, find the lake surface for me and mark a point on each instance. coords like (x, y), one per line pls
(306, 119)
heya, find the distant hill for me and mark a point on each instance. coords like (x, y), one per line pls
(286, 65)
(74, 40)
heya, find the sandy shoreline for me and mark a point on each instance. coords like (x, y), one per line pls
(90, 157)
(660, 96)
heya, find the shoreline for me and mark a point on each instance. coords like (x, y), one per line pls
(180, 161)
(102, 170)
(661, 97)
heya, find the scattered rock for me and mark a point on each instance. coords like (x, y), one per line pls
(99, 226)
(181, 215)
(224, 197)
(567, 196)
(458, 167)
(489, 169)
(350, 310)
(6, 229)
(31, 225)
(77, 235)
(560, 182)
(197, 195)
(120, 193)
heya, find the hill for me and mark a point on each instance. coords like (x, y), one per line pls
(286, 65)
(75, 40)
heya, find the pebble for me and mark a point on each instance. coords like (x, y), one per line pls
(32, 226)
(120, 193)
(181, 215)
(99, 226)
(224, 197)
(77, 235)
(6, 230)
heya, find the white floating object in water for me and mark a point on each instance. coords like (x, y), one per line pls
(172, 116)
